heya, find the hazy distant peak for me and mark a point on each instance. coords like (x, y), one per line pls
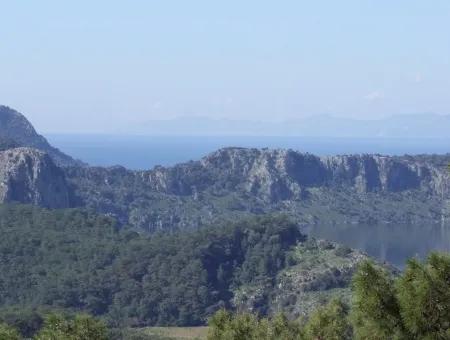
(16, 129)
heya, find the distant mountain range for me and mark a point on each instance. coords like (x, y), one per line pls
(398, 126)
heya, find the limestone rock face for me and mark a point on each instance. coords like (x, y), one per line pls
(277, 175)
(236, 181)
(30, 176)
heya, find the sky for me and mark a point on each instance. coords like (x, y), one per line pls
(103, 65)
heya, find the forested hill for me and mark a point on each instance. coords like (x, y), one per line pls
(76, 260)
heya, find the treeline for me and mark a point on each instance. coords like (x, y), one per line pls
(79, 261)
(59, 327)
(415, 305)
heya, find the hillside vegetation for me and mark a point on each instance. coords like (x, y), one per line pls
(79, 261)
(413, 306)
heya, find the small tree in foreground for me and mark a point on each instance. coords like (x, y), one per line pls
(245, 326)
(414, 306)
(375, 310)
(82, 327)
(329, 323)
(423, 293)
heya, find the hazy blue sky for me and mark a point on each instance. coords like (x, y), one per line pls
(100, 65)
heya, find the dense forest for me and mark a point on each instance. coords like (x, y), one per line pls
(80, 261)
(414, 305)
(56, 264)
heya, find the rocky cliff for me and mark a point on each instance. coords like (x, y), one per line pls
(277, 175)
(30, 176)
(283, 174)
(236, 181)
(14, 126)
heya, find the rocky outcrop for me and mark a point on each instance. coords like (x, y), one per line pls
(30, 176)
(14, 126)
(238, 181)
(277, 175)
(319, 271)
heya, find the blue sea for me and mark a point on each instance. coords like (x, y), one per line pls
(144, 152)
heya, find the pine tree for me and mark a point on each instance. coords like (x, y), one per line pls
(375, 310)
(424, 297)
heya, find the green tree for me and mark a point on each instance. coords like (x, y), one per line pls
(414, 306)
(82, 327)
(281, 328)
(329, 323)
(8, 333)
(375, 310)
(218, 324)
(240, 326)
(423, 293)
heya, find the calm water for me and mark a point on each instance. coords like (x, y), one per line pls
(391, 243)
(144, 152)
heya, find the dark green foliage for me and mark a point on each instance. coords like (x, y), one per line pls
(424, 297)
(76, 260)
(376, 313)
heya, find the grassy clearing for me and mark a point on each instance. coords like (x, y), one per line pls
(181, 333)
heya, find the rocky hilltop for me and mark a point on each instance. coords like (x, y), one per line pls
(30, 176)
(15, 127)
(238, 181)
(284, 174)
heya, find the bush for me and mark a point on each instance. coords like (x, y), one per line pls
(329, 322)
(82, 327)
(245, 326)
